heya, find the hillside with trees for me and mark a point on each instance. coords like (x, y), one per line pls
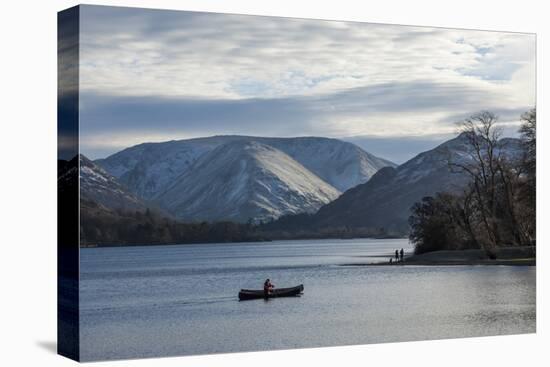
(101, 226)
(497, 207)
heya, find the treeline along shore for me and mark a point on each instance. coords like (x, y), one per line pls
(103, 227)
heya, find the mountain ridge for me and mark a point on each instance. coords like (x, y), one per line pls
(250, 181)
(385, 200)
(148, 168)
(156, 171)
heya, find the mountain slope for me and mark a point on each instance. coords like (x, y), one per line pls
(245, 179)
(341, 164)
(149, 169)
(98, 186)
(385, 200)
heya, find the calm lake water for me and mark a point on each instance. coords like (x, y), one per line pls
(179, 300)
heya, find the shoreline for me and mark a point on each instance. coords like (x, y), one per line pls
(266, 240)
(512, 256)
(511, 262)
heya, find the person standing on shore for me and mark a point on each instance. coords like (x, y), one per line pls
(401, 253)
(396, 255)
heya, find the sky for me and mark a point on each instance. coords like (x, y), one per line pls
(156, 75)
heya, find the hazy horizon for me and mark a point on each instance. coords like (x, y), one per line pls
(380, 147)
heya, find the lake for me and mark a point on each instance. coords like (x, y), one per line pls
(179, 300)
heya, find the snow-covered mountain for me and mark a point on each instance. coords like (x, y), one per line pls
(385, 200)
(98, 186)
(242, 180)
(149, 169)
(241, 177)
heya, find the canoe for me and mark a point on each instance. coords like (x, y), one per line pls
(246, 294)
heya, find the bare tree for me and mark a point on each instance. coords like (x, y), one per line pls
(467, 214)
(482, 136)
(497, 207)
(510, 190)
(528, 131)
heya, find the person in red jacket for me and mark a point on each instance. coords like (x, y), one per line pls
(268, 287)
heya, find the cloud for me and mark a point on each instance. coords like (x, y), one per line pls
(68, 51)
(155, 74)
(144, 52)
(397, 110)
